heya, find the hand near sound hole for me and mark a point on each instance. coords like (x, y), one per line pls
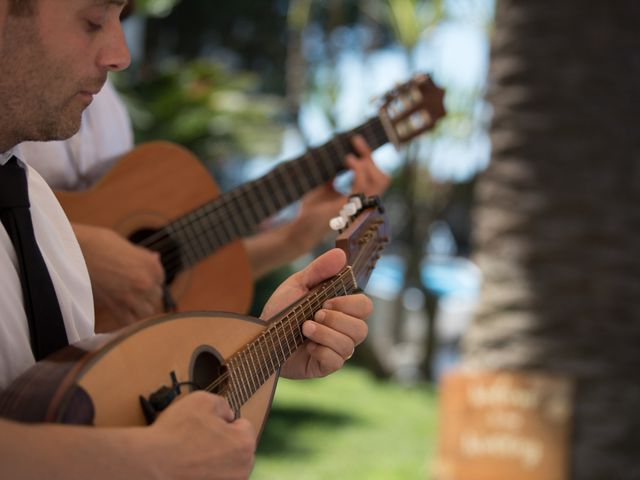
(335, 330)
(224, 447)
(126, 279)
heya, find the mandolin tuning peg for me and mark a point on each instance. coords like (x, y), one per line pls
(349, 210)
(338, 223)
(357, 200)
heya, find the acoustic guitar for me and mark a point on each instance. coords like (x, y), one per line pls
(125, 378)
(161, 197)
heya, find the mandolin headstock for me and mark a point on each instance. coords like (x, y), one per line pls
(412, 108)
(364, 232)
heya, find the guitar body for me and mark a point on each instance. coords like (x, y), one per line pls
(153, 184)
(99, 382)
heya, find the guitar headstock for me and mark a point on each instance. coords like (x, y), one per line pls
(411, 109)
(364, 232)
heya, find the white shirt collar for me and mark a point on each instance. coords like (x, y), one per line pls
(6, 156)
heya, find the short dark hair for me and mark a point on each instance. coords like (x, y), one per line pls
(128, 9)
(22, 7)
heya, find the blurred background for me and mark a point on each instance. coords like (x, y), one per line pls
(247, 84)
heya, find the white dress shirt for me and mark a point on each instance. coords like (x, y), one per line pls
(68, 272)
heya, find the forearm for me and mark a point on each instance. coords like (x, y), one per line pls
(30, 451)
(273, 248)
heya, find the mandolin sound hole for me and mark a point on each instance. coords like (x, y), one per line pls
(169, 250)
(207, 371)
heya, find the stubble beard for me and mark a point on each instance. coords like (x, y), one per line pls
(31, 89)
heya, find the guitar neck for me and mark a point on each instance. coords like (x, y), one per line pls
(237, 213)
(252, 366)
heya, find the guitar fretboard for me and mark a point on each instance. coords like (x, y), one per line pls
(238, 212)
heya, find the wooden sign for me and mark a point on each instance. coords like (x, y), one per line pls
(504, 426)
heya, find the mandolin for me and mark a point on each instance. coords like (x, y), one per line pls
(162, 198)
(125, 378)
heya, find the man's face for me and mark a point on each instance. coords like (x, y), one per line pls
(53, 62)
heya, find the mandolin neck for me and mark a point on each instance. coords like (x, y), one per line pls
(252, 366)
(237, 213)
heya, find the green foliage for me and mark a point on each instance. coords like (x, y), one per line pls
(408, 20)
(156, 8)
(214, 112)
(350, 426)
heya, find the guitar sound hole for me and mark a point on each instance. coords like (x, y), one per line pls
(169, 250)
(208, 372)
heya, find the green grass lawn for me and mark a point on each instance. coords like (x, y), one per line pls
(349, 425)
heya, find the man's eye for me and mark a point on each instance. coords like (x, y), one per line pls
(93, 27)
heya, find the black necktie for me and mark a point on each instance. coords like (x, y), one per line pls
(46, 325)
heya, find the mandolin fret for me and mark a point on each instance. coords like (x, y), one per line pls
(263, 357)
(242, 390)
(249, 368)
(233, 389)
(252, 351)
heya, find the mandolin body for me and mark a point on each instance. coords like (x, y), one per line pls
(99, 382)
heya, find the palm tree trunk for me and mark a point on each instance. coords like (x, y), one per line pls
(557, 221)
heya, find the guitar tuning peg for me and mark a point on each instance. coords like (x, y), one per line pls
(338, 223)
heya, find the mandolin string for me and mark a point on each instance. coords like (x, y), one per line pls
(258, 377)
(163, 242)
(312, 304)
(337, 287)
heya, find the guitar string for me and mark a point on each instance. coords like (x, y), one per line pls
(161, 241)
(314, 305)
(164, 237)
(375, 130)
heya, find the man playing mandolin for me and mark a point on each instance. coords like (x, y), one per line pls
(55, 55)
(128, 280)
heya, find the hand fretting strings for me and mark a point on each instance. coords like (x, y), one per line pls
(249, 368)
(185, 241)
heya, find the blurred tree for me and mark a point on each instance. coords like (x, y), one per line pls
(248, 35)
(216, 113)
(557, 221)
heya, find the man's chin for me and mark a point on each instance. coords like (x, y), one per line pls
(58, 131)
(66, 126)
